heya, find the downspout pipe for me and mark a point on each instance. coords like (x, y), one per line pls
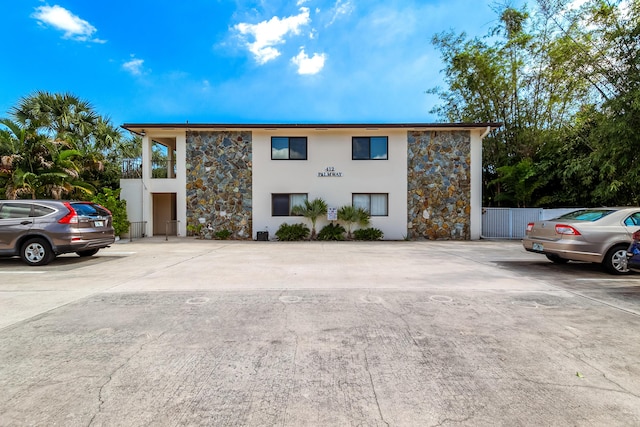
(485, 133)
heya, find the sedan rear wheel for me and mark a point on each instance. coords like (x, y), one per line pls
(36, 251)
(615, 261)
(556, 259)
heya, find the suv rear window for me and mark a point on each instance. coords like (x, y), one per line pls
(41, 210)
(89, 209)
(587, 215)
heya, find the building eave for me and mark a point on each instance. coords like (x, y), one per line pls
(142, 128)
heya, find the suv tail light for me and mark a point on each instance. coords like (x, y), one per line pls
(71, 217)
(567, 229)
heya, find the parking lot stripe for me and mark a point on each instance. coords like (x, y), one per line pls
(22, 272)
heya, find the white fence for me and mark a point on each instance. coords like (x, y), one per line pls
(511, 223)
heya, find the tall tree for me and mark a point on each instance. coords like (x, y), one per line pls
(563, 82)
(81, 150)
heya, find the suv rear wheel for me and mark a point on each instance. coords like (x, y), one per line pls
(36, 251)
(88, 252)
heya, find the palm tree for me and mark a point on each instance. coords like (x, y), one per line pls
(69, 123)
(311, 210)
(57, 114)
(352, 215)
(33, 164)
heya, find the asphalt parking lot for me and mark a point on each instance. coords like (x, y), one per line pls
(193, 332)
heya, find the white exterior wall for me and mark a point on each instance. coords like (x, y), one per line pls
(177, 185)
(330, 148)
(131, 191)
(476, 185)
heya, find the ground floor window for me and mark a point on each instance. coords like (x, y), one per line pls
(281, 204)
(377, 204)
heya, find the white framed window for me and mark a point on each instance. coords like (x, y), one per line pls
(288, 148)
(370, 148)
(377, 204)
(282, 203)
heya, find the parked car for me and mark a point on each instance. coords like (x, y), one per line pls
(599, 235)
(39, 230)
(633, 253)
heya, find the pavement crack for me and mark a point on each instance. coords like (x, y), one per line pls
(101, 400)
(587, 387)
(296, 343)
(373, 387)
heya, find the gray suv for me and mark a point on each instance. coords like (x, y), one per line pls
(38, 230)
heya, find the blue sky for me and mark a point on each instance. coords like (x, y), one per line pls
(217, 61)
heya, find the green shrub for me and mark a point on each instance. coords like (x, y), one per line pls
(110, 199)
(194, 229)
(368, 234)
(332, 232)
(292, 232)
(222, 234)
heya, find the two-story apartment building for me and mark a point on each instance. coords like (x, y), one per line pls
(417, 181)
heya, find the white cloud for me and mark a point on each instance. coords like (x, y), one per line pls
(60, 18)
(307, 65)
(268, 34)
(134, 66)
(339, 9)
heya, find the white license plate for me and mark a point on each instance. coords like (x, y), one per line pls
(98, 223)
(538, 247)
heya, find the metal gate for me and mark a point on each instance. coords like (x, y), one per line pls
(508, 223)
(511, 223)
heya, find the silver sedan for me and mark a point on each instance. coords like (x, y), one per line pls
(599, 235)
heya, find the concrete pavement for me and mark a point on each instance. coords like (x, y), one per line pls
(191, 332)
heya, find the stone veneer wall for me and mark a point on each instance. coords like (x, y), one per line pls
(219, 181)
(439, 185)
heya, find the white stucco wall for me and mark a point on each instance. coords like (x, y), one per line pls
(476, 185)
(330, 148)
(175, 185)
(131, 191)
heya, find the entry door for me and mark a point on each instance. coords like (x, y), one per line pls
(164, 214)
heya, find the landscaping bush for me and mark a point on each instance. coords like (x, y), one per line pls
(368, 234)
(194, 230)
(292, 232)
(332, 232)
(110, 199)
(222, 234)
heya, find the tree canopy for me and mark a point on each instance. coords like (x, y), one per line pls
(57, 145)
(565, 83)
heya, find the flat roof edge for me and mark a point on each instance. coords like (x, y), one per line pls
(168, 126)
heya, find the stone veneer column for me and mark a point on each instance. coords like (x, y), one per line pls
(219, 181)
(439, 196)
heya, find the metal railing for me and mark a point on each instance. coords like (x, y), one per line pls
(131, 168)
(137, 230)
(163, 169)
(171, 228)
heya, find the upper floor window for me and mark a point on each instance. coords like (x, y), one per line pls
(377, 204)
(288, 148)
(370, 148)
(282, 204)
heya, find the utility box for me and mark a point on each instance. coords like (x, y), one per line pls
(262, 236)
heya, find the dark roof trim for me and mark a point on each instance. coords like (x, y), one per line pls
(137, 127)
